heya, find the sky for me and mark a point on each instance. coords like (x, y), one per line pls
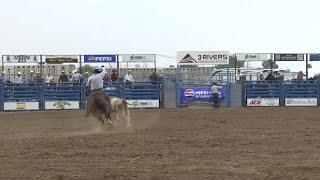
(161, 27)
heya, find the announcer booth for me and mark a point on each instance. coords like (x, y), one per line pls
(63, 92)
(109, 61)
(22, 92)
(194, 93)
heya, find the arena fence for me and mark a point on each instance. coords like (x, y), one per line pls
(69, 96)
(281, 93)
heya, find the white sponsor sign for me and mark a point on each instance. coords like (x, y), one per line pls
(202, 57)
(62, 105)
(22, 59)
(301, 102)
(256, 102)
(138, 58)
(143, 103)
(20, 106)
(252, 57)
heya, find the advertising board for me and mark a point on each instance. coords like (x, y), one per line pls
(202, 57)
(263, 102)
(62, 105)
(199, 94)
(100, 58)
(22, 59)
(301, 101)
(143, 103)
(20, 106)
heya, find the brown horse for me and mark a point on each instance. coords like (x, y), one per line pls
(97, 107)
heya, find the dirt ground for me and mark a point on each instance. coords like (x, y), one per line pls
(200, 143)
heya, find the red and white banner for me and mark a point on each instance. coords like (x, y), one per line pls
(263, 102)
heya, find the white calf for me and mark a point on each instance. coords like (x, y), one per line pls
(120, 105)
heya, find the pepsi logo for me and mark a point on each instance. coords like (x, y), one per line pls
(91, 58)
(189, 93)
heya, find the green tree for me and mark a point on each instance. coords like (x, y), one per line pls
(232, 61)
(267, 64)
(86, 68)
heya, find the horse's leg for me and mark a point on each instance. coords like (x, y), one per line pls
(108, 117)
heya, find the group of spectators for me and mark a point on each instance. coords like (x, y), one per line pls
(75, 77)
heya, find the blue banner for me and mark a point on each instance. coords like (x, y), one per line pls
(100, 58)
(314, 57)
(199, 94)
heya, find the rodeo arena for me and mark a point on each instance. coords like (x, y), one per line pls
(191, 120)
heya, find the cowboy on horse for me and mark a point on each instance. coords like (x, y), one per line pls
(95, 86)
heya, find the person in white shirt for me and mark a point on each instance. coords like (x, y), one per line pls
(49, 78)
(18, 79)
(128, 78)
(215, 94)
(95, 85)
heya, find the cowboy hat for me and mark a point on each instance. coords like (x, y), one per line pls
(19, 73)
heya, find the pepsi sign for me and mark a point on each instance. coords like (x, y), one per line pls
(199, 94)
(189, 93)
(100, 58)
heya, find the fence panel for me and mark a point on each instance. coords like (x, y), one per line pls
(61, 96)
(20, 96)
(142, 94)
(263, 93)
(297, 93)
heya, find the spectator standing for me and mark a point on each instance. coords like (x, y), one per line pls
(63, 78)
(106, 78)
(31, 78)
(86, 77)
(154, 78)
(114, 76)
(300, 76)
(18, 79)
(76, 77)
(49, 78)
(215, 95)
(128, 78)
(4, 77)
(39, 79)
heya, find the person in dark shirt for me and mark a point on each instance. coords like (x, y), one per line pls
(63, 78)
(114, 76)
(154, 78)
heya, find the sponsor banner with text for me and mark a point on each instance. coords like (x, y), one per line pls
(138, 58)
(288, 57)
(199, 94)
(143, 103)
(62, 105)
(301, 101)
(202, 57)
(100, 58)
(20, 106)
(252, 57)
(22, 59)
(263, 102)
(50, 59)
